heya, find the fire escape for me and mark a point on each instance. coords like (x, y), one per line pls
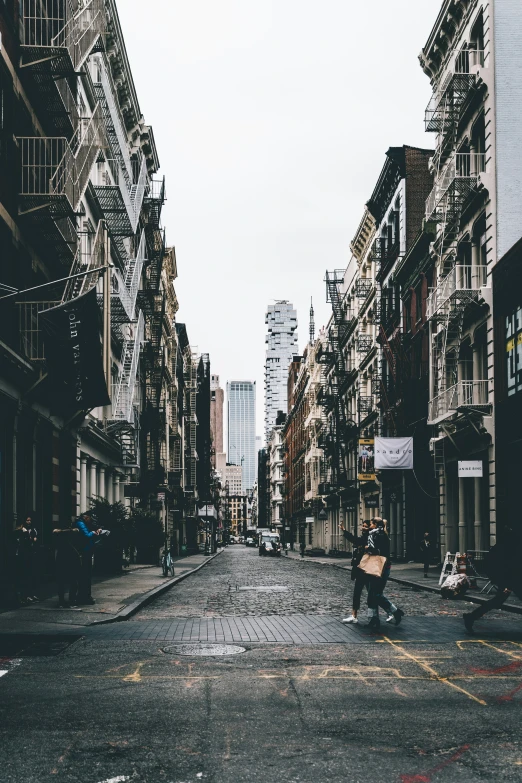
(460, 286)
(153, 303)
(336, 429)
(56, 39)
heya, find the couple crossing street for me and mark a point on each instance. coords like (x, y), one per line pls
(371, 572)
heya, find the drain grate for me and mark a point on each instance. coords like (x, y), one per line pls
(204, 649)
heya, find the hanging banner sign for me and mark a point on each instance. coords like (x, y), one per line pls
(73, 352)
(394, 453)
(366, 460)
(371, 502)
(470, 469)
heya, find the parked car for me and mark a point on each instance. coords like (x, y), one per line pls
(250, 541)
(270, 545)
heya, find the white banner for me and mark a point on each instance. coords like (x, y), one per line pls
(470, 468)
(394, 453)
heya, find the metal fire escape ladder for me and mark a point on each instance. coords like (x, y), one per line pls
(338, 422)
(124, 424)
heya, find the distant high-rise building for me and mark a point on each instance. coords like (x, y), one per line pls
(281, 340)
(216, 422)
(234, 477)
(241, 428)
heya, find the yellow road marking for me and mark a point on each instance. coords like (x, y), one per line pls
(500, 650)
(435, 675)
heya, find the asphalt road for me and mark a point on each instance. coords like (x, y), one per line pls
(307, 700)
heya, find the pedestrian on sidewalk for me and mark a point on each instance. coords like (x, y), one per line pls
(359, 578)
(33, 577)
(89, 531)
(68, 565)
(503, 569)
(21, 564)
(302, 547)
(427, 550)
(379, 544)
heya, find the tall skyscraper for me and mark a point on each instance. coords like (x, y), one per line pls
(281, 340)
(216, 423)
(241, 428)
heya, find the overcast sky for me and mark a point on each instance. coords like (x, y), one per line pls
(272, 118)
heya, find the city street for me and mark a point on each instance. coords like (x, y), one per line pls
(298, 697)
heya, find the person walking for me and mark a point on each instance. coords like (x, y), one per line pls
(33, 565)
(68, 565)
(427, 549)
(359, 578)
(302, 547)
(21, 563)
(88, 532)
(503, 569)
(379, 544)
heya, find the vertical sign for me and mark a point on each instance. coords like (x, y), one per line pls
(366, 460)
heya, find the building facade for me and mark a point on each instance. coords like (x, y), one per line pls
(241, 429)
(216, 423)
(281, 342)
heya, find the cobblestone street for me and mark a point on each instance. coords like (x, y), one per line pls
(240, 583)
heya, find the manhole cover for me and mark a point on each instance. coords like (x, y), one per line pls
(204, 649)
(267, 589)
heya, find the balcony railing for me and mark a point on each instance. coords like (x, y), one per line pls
(444, 107)
(465, 394)
(31, 336)
(462, 283)
(58, 32)
(453, 185)
(56, 171)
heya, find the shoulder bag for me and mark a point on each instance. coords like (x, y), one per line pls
(373, 565)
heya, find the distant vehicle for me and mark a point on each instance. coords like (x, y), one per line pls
(250, 542)
(234, 539)
(269, 544)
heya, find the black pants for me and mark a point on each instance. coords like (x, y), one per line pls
(426, 566)
(360, 582)
(84, 591)
(68, 576)
(493, 603)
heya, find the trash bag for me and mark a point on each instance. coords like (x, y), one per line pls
(455, 585)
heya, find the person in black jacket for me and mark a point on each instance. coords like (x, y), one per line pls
(503, 569)
(358, 577)
(379, 544)
(427, 549)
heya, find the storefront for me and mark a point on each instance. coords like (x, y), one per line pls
(507, 307)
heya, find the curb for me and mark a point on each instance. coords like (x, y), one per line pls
(474, 599)
(146, 598)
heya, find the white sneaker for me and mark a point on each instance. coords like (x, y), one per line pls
(350, 619)
(390, 618)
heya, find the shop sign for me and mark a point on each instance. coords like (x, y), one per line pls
(470, 468)
(371, 502)
(309, 520)
(71, 333)
(366, 460)
(394, 453)
(514, 352)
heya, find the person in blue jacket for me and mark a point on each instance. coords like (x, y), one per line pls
(86, 524)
